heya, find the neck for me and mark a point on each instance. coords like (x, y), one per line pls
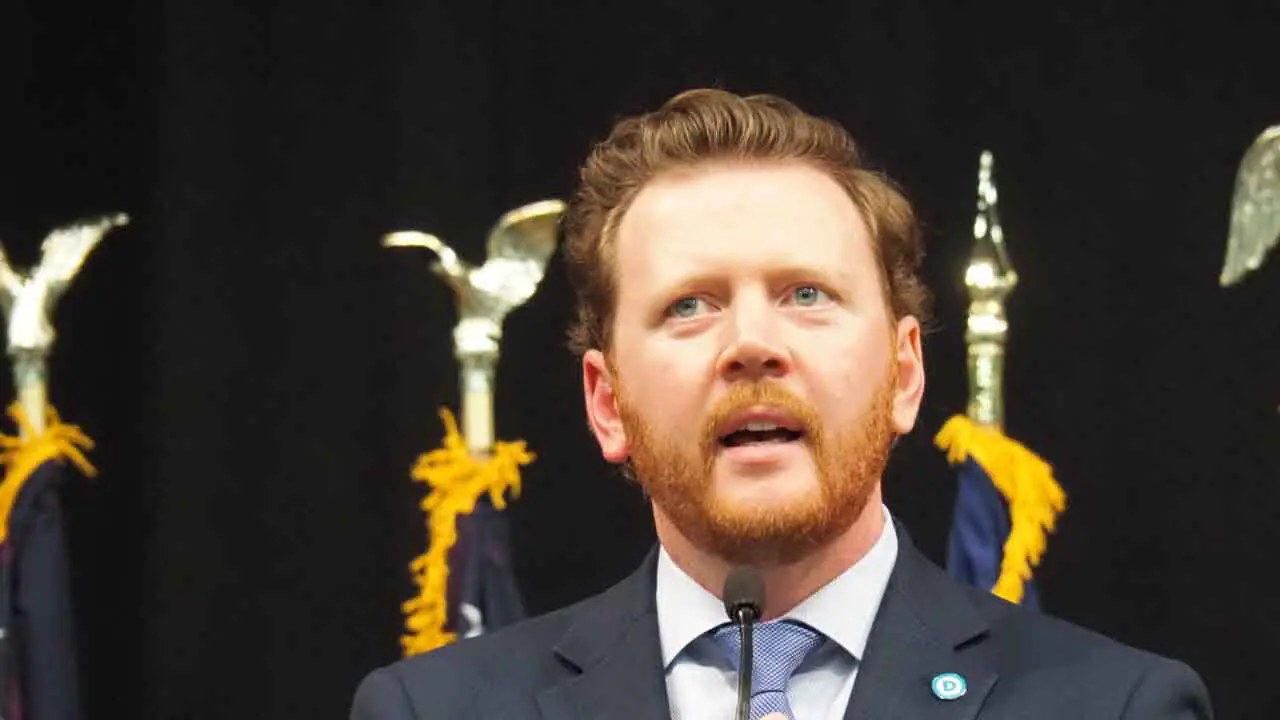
(786, 585)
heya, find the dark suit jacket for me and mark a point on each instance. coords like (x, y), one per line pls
(601, 659)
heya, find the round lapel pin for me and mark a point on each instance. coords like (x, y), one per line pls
(949, 686)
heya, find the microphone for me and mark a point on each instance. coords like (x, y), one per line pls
(744, 602)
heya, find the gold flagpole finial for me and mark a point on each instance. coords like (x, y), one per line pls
(29, 297)
(520, 244)
(989, 278)
(1255, 208)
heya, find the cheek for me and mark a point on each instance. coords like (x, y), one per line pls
(842, 377)
(670, 384)
(840, 407)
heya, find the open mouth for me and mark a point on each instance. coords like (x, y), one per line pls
(760, 433)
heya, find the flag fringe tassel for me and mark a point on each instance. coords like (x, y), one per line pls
(457, 480)
(22, 454)
(1025, 480)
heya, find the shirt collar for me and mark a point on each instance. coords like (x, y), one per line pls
(842, 610)
(686, 611)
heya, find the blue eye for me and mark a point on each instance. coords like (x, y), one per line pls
(808, 295)
(685, 307)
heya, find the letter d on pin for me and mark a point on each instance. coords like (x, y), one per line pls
(948, 686)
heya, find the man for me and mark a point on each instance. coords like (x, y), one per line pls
(749, 324)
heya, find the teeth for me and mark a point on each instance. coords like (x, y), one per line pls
(760, 426)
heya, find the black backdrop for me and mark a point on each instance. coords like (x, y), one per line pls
(260, 374)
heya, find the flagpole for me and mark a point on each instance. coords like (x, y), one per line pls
(33, 394)
(1007, 499)
(472, 472)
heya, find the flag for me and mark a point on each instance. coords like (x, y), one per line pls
(1007, 502)
(465, 579)
(483, 593)
(38, 677)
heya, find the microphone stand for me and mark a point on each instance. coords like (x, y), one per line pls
(744, 602)
(745, 617)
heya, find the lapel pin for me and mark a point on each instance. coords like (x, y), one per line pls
(948, 686)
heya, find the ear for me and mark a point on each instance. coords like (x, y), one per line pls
(909, 361)
(602, 407)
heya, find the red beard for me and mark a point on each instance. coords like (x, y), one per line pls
(679, 478)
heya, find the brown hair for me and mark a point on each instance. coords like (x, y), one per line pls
(703, 125)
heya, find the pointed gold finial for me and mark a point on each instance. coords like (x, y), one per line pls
(990, 278)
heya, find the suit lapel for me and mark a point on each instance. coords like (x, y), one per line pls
(926, 626)
(614, 655)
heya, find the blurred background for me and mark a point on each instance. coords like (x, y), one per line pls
(260, 374)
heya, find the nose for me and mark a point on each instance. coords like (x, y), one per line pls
(754, 351)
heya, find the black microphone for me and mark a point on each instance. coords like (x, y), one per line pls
(744, 602)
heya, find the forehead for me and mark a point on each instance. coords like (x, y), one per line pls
(739, 217)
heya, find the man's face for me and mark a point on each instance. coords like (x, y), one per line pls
(756, 379)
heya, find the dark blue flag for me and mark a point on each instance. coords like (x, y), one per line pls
(483, 593)
(1006, 503)
(37, 648)
(466, 581)
(979, 527)
(37, 640)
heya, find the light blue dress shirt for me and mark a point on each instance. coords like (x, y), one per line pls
(701, 683)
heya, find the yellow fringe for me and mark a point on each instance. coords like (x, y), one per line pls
(21, 455)
(457, 480)
(1027, 484)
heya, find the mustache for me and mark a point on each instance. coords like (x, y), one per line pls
(760, 393)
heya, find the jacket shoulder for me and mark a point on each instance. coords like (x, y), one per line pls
(1044, 655)
(1023, 629)
(457, 679)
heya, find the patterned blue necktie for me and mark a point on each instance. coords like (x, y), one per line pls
(779, 648)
